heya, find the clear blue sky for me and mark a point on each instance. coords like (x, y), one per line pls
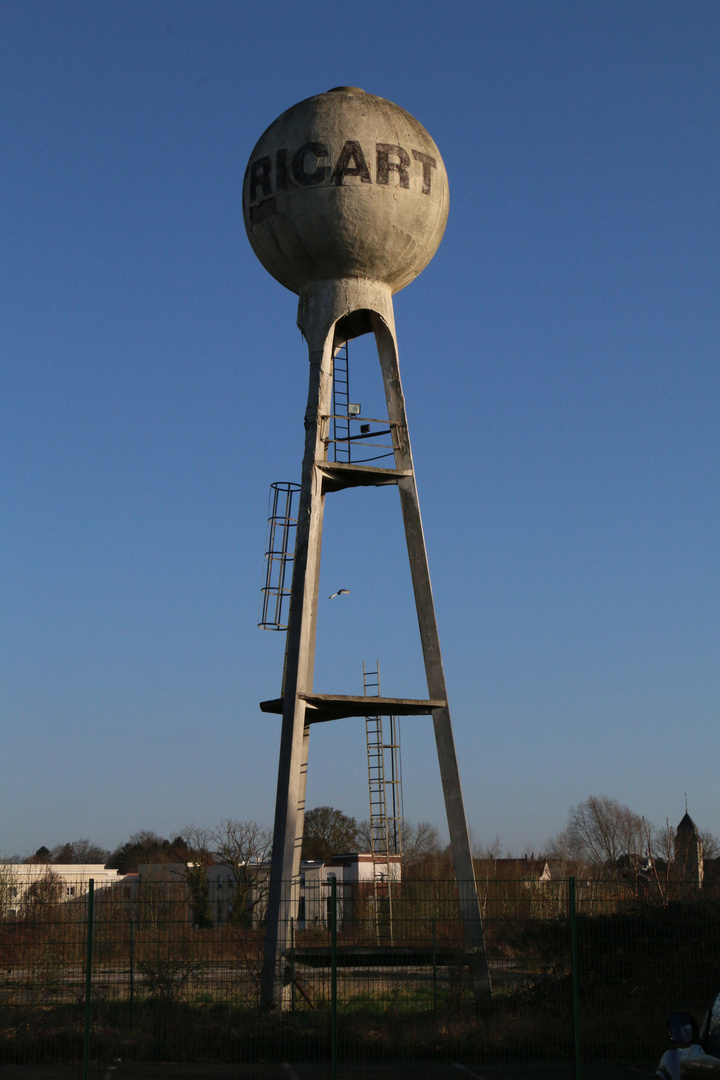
(560, 363)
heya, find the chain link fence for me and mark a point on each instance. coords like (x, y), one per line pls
(582, 973)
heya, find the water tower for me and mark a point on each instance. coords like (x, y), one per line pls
(345, 201)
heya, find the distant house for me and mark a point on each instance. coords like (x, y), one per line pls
(54, 881)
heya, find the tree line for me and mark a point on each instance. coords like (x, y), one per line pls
(599, 833)
(327, 832)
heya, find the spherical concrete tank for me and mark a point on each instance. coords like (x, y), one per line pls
(345, 185)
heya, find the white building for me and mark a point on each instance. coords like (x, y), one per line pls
(61, 881)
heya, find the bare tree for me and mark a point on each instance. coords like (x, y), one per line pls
(487, 851)
(660, 842)
(420, 841)
(710, 844)
(364, 835)
(668, 864)
(243, 847)
(9, 889)
(194, 848)
(41, 894)
(195, 844)
(599, 832)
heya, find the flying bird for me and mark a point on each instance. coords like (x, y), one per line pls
(340, 592)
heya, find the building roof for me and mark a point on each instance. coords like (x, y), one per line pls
(687, 825)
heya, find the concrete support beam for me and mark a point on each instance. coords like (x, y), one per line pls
(323, 305)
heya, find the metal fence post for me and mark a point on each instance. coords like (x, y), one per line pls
(333, 978)
(575, 976)
(88, 978)
(434, 962)
(132, 974)
(292, 964)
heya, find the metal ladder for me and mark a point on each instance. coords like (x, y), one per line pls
(380, 838)
(279, 555)
(341, 400)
